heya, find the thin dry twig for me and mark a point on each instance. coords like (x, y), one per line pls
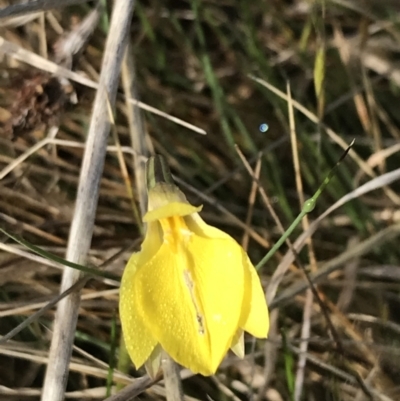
(19, 20)
(350, 279)
(263, 194)
(83, 220)
(73, 42)
(38, 5)
(307, 311)
(140, 139)
(252, 199)
(133, 390)
(333, 135)
(271, 354)
(338, 373)
(36, 61)
(388, 234)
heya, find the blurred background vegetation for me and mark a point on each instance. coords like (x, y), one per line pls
(198, 61)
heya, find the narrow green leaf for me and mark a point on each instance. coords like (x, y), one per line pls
(319, 72)
(57, 259)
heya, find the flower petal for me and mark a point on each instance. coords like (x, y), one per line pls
(153, 364)
(237, 346)
(255, 316)
(138, 340)
(191, 297)
(257, 321)
(170, 210)
(197, 225)
(152, 242)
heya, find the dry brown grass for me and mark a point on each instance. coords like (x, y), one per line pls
(192, 60)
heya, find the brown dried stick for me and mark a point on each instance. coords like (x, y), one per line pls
(88, 190)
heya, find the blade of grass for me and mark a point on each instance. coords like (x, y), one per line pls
(289, 365)
(57, 259)
(333, 135)
(216, 89)
(75, 287)
(111, 363)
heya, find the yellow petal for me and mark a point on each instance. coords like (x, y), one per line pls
(170, 210)
(255, 316)
(237, 346)
(257, 321)
(138, 340)
(198, 226)
(152, 242)
(191, 299)
(153, 364)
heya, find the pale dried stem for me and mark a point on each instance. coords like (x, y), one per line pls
(38, 5)
(71, 43)
(139, 138)
(305, 335)
(307, 311)
(331, 133)
(341, 374)
(88, 190)
(252, 199)
(224, 390)
(18, 53)
(167, 116)
(271, 354)
(350, 279)
(326, 268)
(132, 390)
(263, 194)
(374, 241)
(60, 142)
(172, 380)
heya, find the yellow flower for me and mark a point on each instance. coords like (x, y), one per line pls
(191, 290)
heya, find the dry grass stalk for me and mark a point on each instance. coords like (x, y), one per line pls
(307, 311)
(37, 5)
(360, 97)
(86, 202)
(140, 139)
(172, 380)
(384, 235)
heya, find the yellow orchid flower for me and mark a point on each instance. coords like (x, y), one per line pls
(191, 290)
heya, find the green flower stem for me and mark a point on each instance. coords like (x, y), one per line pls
(158, 171)
(308, 207)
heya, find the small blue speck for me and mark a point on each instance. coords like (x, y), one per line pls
(263, 127)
